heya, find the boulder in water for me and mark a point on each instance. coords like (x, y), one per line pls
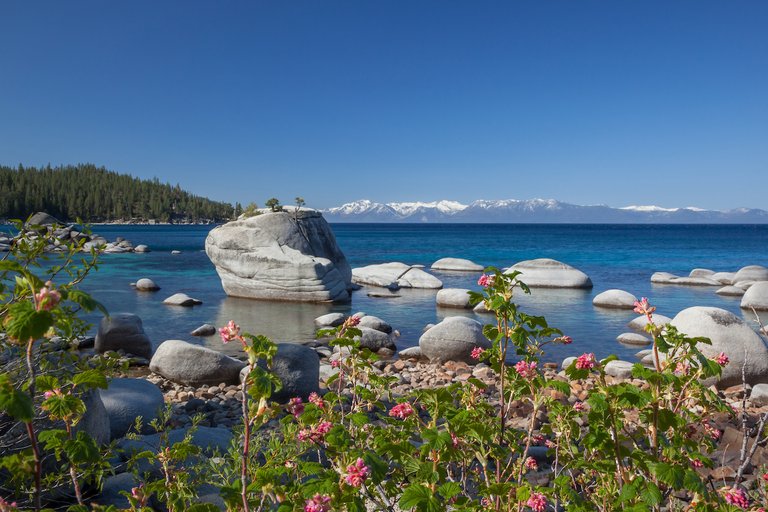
(549, 273)
(457, 265)
(395, 275)
(616, 299)
(756, 297)
(123, 331)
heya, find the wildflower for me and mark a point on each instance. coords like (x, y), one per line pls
(477, 352)
(53, 392)
(351, 321)
(712, 431)
(401, 411)
(643, 308)
(537, 439)
(455, 440)
(229, 332)
(537, 502)
(318, 503)
(295, 406)
(696, 463)
(526, 370)
(316, 399)
(578, 406)
(316, 433)
(530, 463)
(6, 506)
(357, 473)
(139, 495)
(485, 281)
(682, 368)
(335, 363)
(586, 361)
(722, 359)
(565, 340)
(47, 298)
(550, 444)
(765, 477)
(736, 496)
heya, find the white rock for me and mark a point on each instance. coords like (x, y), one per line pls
(410, 353)
(639, 323)
(457, 264)
(631, 338)
(619, 369)
(759, 395)
(567, 362)
(662, 277)
(453, 298)
(723, 277)
(183, 362)
(181, 299)
(329, 320)
(549, 273)
(146, 285)
(614, 298)
(141, 248)
(730, 291)
(756, 297)
(694, 281)
(701, 272)
(395, 275)
(751, 273)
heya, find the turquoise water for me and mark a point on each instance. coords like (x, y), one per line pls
(614, 256)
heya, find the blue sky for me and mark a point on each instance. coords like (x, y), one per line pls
(589, 102)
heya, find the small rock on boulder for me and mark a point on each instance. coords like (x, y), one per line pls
(182, 299)
(453, 339)
(127, 399)
(457, 265)
(756, 297)
(617, 299)
(453, 298)
(204, 330)
(146, 285)
(194, 365)
(123, 331)
(549, 273)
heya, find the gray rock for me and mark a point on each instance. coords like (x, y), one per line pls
(113, 487)
(411, 353)
(631, 338)
(127, 399)
(549, 273)
(731, 335)
(298, 368)
(175, 252)
(95, 421)
(702, 272)
(123, 331)
(96, 242)
(481, 309)
(280, 256)
(730, 291)
(375, 323)
(759, 395)
(42, 219)
(329, 320)
(643, 353)
(204, 330)
(453, 298)
(619, 369)
(723, 277)
(453, 339)
(751, 273)
(374, 340)
(745, 285)
(146, 285)
(457, 265)
(756, 297)
(194, 365)
(141, 248)
(639, 323)
(695, 281)
(663, 277)
(613, 298)
(395, 275)
(568, 361)
(181, 299)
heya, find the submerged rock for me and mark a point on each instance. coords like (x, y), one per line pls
(146, 285)
(280, 256)
(182, 299)
(549, 273)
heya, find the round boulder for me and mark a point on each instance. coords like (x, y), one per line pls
(329, 320)
(204, 330)
(453, 339)
(549, 273)
(123, 331)
(616, 299)
(453, 298)
(194, 365)
(756, 297)
(639, 323)
(730, 291)
(701, 272)
(731, 335)
(619, 369)
(457, 265)
(298, 368)
(375, 323)
(724, 277)
(182, 299)
(395, 275)
(751, 273)
(141, 248)
(634, 339)
(663, 278)
(375, 340)
(146, 285)
(127, 399)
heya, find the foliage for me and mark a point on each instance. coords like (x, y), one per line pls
(95, 194)
(251, 210)
(273, 204)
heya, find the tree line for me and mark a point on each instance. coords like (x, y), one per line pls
(95, 194)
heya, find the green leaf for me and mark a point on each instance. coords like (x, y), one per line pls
(559, 385)
(449, 489)
(90, 379)
(202, 507)
(419, 497)
(82, 449)
(14, 402)
(651, 495)
(671, 475)
(87, 302)
(24, 322)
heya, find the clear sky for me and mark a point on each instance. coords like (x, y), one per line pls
(589, 102)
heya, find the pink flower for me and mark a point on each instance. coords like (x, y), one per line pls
(722, 359)
(6, 506)
(696, 463)
(765, 477)
(316, 399)
(565, 340)
(550, 444)
(318, 503)
(477, 352)
(47, 298)
(643, 308)
(316, 433)
(295, 406)
(229, 332)
(485, 280)
(712, 431)
(736, 496)
(530, 463)
(578, 406)
(357, 473)
(335, 363)
(351, 321)
(586, 361)
(537, 502)
(401, 411)
(139, 495)
(526, 370)
(455, 440)
(537, 439)
(682, 368)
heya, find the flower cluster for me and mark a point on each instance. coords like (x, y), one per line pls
(564, 340)
(642, 307)
(537, 502)
(229, 332)
(316, 433)
(737, 497)
(295, 406)
(357, 473)
(586, 361)
(477, 352)
(47, 298)
(401, 411)
(485, 281)
(316, 399)
(530, 463)
(318, 503)
(722, 359)
(526, 370)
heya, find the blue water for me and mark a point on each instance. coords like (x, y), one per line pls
(614, 256)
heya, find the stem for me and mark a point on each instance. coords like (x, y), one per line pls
(73, 469)
(246, 442)
(31, 429)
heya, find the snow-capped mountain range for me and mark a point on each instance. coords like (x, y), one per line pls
(535, 210)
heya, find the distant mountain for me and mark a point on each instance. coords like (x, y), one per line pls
(535, 211)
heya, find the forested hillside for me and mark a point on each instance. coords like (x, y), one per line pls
(94, 194)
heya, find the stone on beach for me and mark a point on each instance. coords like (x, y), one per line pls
(146, 285)
(756, 297)
(297, 367)
(751, 273)
(731, 335)
(549, 273)
(280, 256)
(204, 330)
(631, 338)
(180, 361)
(457, 265)
(619, 369)
(123, 331)
(375, 340)
(395, 275)
(453, 298)
(126, 399)
(613, 298)
(182, 299)
(453, 339)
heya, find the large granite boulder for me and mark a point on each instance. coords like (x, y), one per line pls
(731, 335)
(42, 219)
(453, 298)
(457, 265)
(194, 365)
(127, 399)
(374, 339)
(123, 331)
(453, 339)
(280, 256)
(549, 273)
(756, 297)
(395, 275)
(751, 273)
(298, 368)
(615, 299)
(330, 320)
